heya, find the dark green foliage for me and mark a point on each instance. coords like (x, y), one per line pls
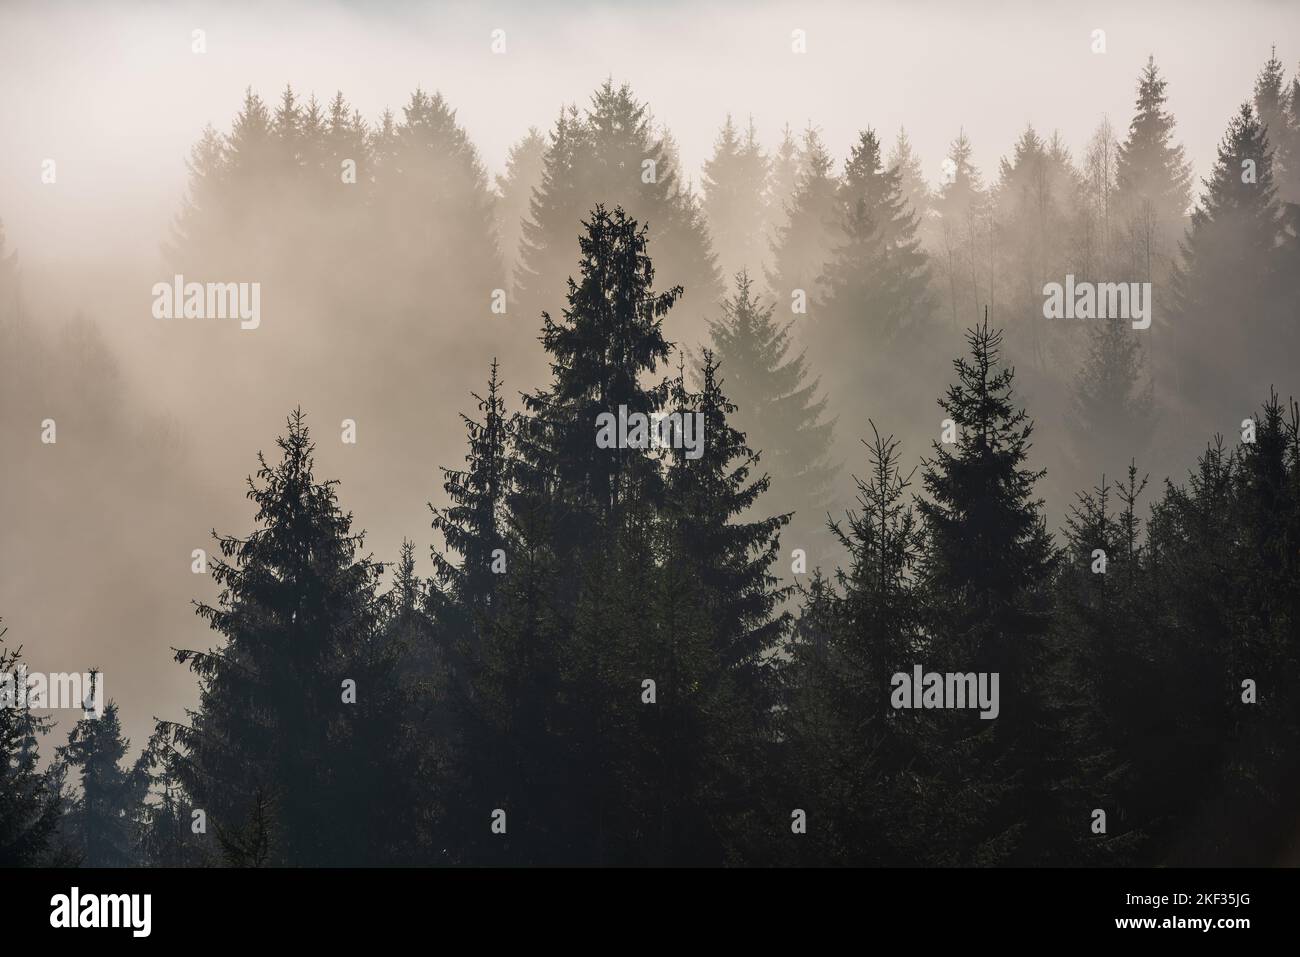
(29, 796)
(300, 617)
(987, 568)
(100, 823)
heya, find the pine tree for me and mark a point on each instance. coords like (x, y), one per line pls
(299, 614)
(101, 820)
(778, 409)
(735, 185)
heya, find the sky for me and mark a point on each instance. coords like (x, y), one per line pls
(114, 93)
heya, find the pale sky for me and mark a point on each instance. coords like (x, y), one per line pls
(113, 93)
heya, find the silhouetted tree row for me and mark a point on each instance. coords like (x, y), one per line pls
(600, 671)
(609, 665)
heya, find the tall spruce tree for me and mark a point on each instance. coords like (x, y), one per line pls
(1153, 182)
(435, 176)
(298, 614)
(988, 565)
(1271, 103)
(785, 171)
(735, 187)
(1107, 620)
(471, 526)
(102, 819)
(811, 231)
(1227, 327)
(610, 154)
(1112, 406)
(523, 174)
(703, 749)
(877, 290)
(553, 699)
(852, 759)
(964, 235)
(779, 411)
(911, 177)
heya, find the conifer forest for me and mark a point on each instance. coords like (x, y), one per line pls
(679, 435)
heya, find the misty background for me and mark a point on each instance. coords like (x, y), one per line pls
(160, 421)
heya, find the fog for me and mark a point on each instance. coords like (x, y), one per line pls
(159, 422)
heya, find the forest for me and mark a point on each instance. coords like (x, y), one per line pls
(681, 653)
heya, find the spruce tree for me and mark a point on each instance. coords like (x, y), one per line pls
(735, 186)
(964, 227)
(911, 177)
(1112, 405)
(435, 176)
(524, 164)
(708, 742)
(988, 564)
(877, 293)
(471, 526)
(785, 172)
(1153, 182)
(853, 760)
(552, 702)
(1035, 204)
(611, 155)
(1272, 104)
(298, 614)
(778, 409)
(30, 801)
(102, 819)
(1106, 618)
(1227, 327)
(803, 245)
